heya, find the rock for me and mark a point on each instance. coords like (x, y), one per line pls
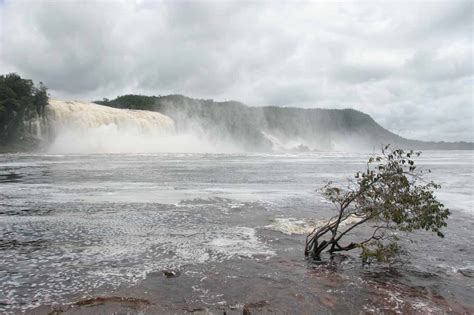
(254, 305)
(171, 273)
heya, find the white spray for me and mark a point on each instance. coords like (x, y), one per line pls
(78, 127)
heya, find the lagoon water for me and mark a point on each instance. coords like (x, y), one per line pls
(230, 225)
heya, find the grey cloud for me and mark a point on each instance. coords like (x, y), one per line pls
(360, 73)
(424, 65)
(408, 64)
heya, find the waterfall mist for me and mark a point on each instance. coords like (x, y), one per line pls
(178, 124)
(78, 127)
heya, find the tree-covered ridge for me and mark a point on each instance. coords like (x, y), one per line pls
(20, 101)
(319, 128)
(130, 101)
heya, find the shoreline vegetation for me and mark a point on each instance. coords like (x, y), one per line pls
(392, 196)
(21, 103)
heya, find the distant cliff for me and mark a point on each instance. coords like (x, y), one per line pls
(276, 128)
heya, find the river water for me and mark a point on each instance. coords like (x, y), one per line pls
(231, 228)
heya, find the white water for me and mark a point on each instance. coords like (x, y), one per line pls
(286, 145)
(79, 127)
(292, 226)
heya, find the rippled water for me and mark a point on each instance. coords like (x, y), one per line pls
(80, 226)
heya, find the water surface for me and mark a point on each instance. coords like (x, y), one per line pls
(80, 226)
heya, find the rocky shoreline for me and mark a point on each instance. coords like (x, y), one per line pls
(322, 289)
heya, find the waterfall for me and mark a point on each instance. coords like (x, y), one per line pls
(79, 127)
(86, 116)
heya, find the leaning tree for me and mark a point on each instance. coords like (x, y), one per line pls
(391, 195)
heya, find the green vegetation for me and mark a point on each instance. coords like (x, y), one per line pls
(130, 101)
(390, 196)
(20, 101)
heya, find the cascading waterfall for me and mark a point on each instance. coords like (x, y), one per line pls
(86, 116)
(78, 127)
(35, 127)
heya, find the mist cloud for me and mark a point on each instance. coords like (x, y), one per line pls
(407, 64)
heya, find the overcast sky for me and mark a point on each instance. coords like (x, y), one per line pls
(407, 64)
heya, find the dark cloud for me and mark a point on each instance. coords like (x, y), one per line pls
(408, 64)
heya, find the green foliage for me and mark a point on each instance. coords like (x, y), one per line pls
(391, 195)
(376, 250)
(130, 101)
(20, 100)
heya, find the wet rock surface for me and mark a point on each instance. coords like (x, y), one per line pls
(293, 287)
(171, 273)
